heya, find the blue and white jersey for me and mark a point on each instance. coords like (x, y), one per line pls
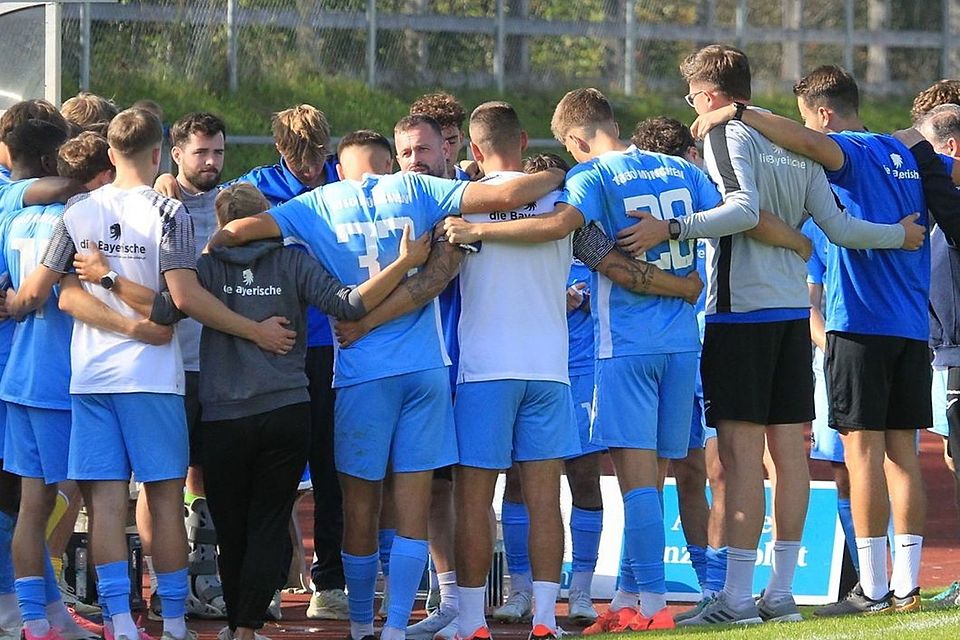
(38, 374)
(354, 229)
(604, 190)
(701, 306)
(878, 292)
(580, 327)
(11, 201)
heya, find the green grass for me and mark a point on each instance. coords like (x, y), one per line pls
(351, 105)
(934, 625)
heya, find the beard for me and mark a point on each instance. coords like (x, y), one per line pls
(203, 180)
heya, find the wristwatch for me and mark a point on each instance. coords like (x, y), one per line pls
(739, 109)
(109, 281)
(673, 228)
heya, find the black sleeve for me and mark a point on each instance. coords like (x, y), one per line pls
(591, 245)
(943, 199)
(321, 289)
(164, 311)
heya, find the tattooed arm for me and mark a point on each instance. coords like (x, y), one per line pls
(413, 293)
(599, 252)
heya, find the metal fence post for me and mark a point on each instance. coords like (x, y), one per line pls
(372, 43)
(500, 53)
(741, 22)
(233, 77)
(848, 35)
(85, 46)
(629, 46)
(51, 62)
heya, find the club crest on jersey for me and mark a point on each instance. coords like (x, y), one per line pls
(896, 160)
(247, 277)
(115, 231)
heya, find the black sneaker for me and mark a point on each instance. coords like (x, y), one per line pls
(908, 603)
(856, 603)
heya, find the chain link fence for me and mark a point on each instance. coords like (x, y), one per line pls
(615, 44)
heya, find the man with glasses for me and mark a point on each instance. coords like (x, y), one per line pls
(757, 335)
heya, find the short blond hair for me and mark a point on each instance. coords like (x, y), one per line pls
(239, 200)
(940, 92)
(302, 134)
(585, 108)
(89, 110)
(134, 131)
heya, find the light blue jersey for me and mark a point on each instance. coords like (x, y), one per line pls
(354, 229)
(38, 372)
(878, 292)
(580, 326)
(11, 201)
(604, 190)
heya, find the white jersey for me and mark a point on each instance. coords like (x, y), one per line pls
(141, 234)
(513, 318)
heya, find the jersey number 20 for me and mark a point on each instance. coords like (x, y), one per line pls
(662, 208)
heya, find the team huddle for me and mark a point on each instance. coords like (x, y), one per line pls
(408, 336)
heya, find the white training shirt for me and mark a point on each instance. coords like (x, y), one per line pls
(513, 318)
(141, 234)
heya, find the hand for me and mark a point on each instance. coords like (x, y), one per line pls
(167, 185)
(646, 234)
(696, 286)
(575, 296)
(805, 248)
(703, 124)
(4, 309)
(274, 337)
(472, 169)
(150, 332)
(348, 332)
(459, 231)
(413, 253)
(92, 266)
(913, 234)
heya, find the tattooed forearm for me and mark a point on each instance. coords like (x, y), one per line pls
(626, 272)
(439, 270)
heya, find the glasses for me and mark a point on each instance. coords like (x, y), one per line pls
(690, 97)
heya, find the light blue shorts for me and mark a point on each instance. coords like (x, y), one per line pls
(643, 402)
(825, 442)
(116, 433)
(581, 387)
(37, 443)
(698, 423)
(403, 422)
(500, 422)
(938, 394)
(3, 427)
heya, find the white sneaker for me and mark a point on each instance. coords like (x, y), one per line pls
(581, 608)
(449, 632)
(517, 608)
(329, 604)
(431, 625)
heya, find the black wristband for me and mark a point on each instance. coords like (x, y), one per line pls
(740, 108)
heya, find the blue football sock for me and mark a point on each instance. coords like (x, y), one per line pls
(515, 523)
(626, 581)
(31, 598)
(407, 562)
(716, 568)
(385, 539)
(113, 583)
(360, 573)
(172, 587)
(698, 558)
(643, 529)
(7, 524)
(586, 526)
(846, 523)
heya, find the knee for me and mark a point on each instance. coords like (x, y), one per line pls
(585, 491)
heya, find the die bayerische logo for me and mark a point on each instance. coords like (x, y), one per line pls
(115, 231)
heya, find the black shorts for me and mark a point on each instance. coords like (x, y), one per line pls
(191, 403)
(760, 372)
(877, 383)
